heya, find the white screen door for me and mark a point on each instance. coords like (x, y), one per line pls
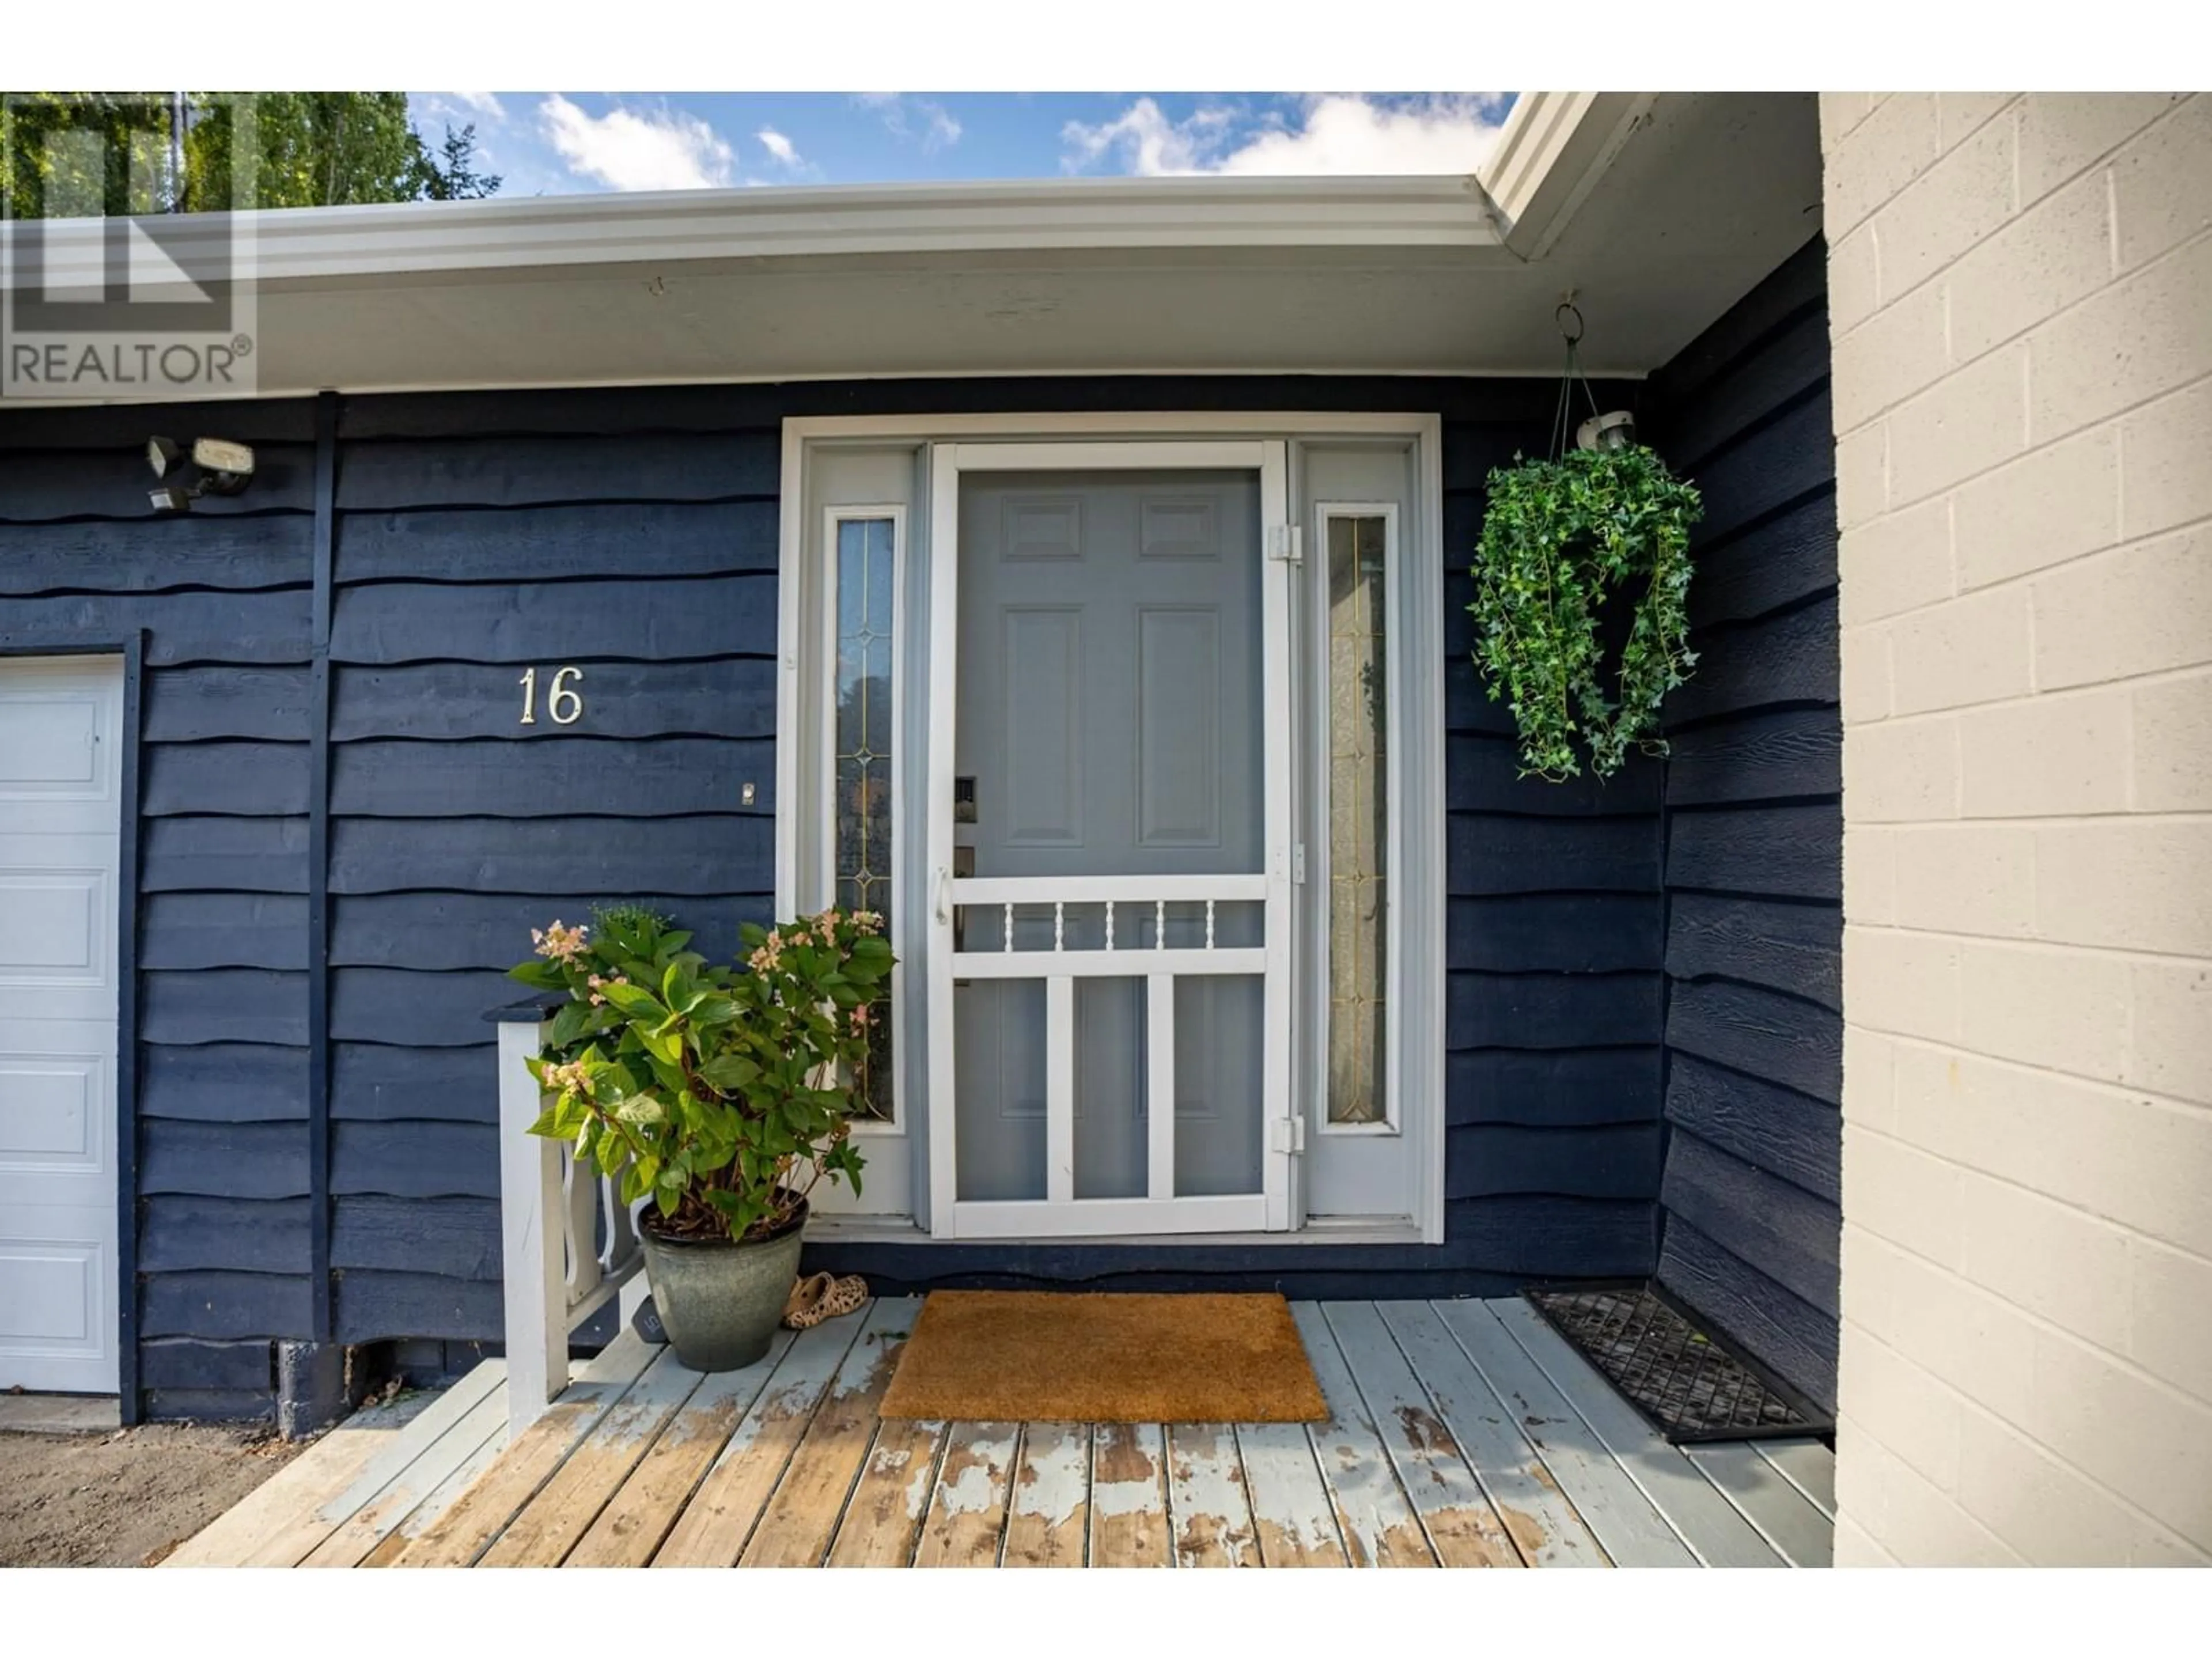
(1108, 835)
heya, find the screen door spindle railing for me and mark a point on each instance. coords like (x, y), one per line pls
(1136, 900)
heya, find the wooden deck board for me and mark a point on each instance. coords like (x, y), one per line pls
(556, 1520)
(883, 1518)
(1292, 1517)
(399, 1497)
(801, 1519)
(1612, 1505)
(1705, 1521)
(1455, 1514)
(1374, 1519)
(713, 1530)
(447, 1493)
(1129, 1525)
(300, 1488)
(1806, 1465)
(1209, 1511)
(967, 1505)
(1460, 1433)
(1540, 1519)
(638, 1517)
(482, 1513)
(1049, 1509)
(1785, 1517)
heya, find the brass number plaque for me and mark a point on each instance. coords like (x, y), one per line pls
(563, 701)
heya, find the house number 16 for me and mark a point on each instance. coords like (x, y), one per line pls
(563, 701)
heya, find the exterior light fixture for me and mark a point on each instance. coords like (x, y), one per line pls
(226, 466)
(221, 467)
(1612, 431)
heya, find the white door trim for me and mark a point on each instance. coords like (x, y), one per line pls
(1423, 889)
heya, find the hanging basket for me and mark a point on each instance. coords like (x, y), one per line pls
(1560, 538)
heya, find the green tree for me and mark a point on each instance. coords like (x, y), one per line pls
(309, 149)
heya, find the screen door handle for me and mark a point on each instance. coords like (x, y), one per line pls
(944, 895)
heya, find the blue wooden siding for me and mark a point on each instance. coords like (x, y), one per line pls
(221, 1215)
(1754, 828)
(647, 559)
(633, 531)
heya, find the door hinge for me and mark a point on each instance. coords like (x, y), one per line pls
(1298, 864)
(1287, 1135)
(1288, 543)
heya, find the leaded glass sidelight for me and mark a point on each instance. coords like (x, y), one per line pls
(1358, 827)
(862, 757)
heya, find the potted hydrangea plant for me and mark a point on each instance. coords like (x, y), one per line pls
(721, 1095)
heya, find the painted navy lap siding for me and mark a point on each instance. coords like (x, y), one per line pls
(633, 533)
(223, 601)
(1754, 838)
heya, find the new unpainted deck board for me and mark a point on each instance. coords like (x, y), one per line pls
(1049, 1509)
(1705, 1521)
(1455, 1516)
(881, 1522)
(1806, 1465)
(1537, 1515)
(1292, 1517)
(476, 1522)
(1374, 1519)
(1209, 1511)
(638, 1516)
(1785, 1517)
(1128, 1497)
(801, 1519)
(715, 1526)
(967, 1505)
(299, 1489)
(556, 1520)
(398, 1498)
(1628, 1528)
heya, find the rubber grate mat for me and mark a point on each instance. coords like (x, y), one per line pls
(1691, 1385)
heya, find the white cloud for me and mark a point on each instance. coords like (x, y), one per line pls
(780, 146)
(1337, 133)
(638, 150)
(485, 104)
(913, 119)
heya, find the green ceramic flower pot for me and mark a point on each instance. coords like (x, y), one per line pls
(719, 1302)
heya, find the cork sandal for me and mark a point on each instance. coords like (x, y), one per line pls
(824, 1296)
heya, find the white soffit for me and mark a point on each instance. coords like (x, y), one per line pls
(1657, 210)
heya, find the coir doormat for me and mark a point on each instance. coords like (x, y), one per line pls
(1691, 1384)
(1030, 1356)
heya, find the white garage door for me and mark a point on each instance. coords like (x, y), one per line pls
(61, 782)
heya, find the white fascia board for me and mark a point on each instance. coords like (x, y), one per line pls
(1195, 217)
(1554, 147)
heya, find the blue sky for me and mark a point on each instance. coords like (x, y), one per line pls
(563, 142)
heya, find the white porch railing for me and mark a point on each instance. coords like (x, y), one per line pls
(569, 1243)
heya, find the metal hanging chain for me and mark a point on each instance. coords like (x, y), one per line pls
(1562, 420)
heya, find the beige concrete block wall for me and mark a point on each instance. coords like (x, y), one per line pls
(2022, 304)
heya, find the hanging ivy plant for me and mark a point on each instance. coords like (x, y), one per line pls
(1559, 539)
